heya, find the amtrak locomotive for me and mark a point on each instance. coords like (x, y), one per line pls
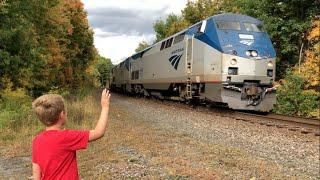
(225, 59)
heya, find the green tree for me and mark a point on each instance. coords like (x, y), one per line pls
(171, 25)
(196, 11)
(141, 46)
(45, 44)
(18, 47)
(102, 70)
(294, 100)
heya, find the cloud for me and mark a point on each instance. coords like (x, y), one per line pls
(117, 21)
(120, 25)
(119, 47)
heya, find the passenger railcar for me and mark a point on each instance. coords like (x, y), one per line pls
(225, 59)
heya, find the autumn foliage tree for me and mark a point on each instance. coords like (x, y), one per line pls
(45, 44)
(300, 92)
(310, 68)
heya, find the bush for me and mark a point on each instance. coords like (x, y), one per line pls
(294, 100)
(15, 110)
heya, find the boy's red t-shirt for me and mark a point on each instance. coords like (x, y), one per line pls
(55, 152)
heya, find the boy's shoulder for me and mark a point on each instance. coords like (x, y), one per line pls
(60, 134)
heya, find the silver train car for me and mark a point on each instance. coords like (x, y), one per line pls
(224, 59)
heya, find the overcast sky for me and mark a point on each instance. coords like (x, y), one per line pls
(120, 25)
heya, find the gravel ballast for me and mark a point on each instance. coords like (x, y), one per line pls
(294, 154)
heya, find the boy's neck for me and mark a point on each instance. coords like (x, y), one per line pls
(54, 127)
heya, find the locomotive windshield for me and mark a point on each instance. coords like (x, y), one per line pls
(228, 25)
(252, 27)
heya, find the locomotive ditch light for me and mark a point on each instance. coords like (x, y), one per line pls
(229, 79)
(270, 64)
(248, 53)
(233, 61)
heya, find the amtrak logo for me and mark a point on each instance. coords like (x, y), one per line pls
(175, 59)
(247, 42)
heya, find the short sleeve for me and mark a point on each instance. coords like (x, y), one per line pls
(75, 139)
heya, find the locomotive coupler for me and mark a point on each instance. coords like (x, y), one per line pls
(256, 94)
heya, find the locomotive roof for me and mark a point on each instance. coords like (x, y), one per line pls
(235, 17)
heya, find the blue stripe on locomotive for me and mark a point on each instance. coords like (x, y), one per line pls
(226, 41)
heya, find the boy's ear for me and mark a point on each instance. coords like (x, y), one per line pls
(61, 115)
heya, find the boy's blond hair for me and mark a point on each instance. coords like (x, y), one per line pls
(48, 108)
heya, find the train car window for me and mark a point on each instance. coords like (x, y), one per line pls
(179, 38)
(195, 29)
(251, 27)
(163, 45)
(169, 42)
(228, 25)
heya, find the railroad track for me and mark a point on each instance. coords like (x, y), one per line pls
(304, 125)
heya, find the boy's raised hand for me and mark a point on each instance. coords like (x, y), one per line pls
(105, 98)
(101, 126)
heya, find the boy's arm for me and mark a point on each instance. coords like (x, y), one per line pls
(36, 171)
(100, 128)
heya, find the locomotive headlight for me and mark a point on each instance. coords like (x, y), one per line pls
(254, 53)
(233, 61)
(270, 64)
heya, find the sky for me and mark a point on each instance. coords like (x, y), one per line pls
(120, 25)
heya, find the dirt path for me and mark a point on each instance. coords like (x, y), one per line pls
(148, 139)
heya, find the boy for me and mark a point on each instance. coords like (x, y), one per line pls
(54, 150)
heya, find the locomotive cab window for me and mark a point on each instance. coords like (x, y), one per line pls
(179, 38)
(228, 25)
(252, 27)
